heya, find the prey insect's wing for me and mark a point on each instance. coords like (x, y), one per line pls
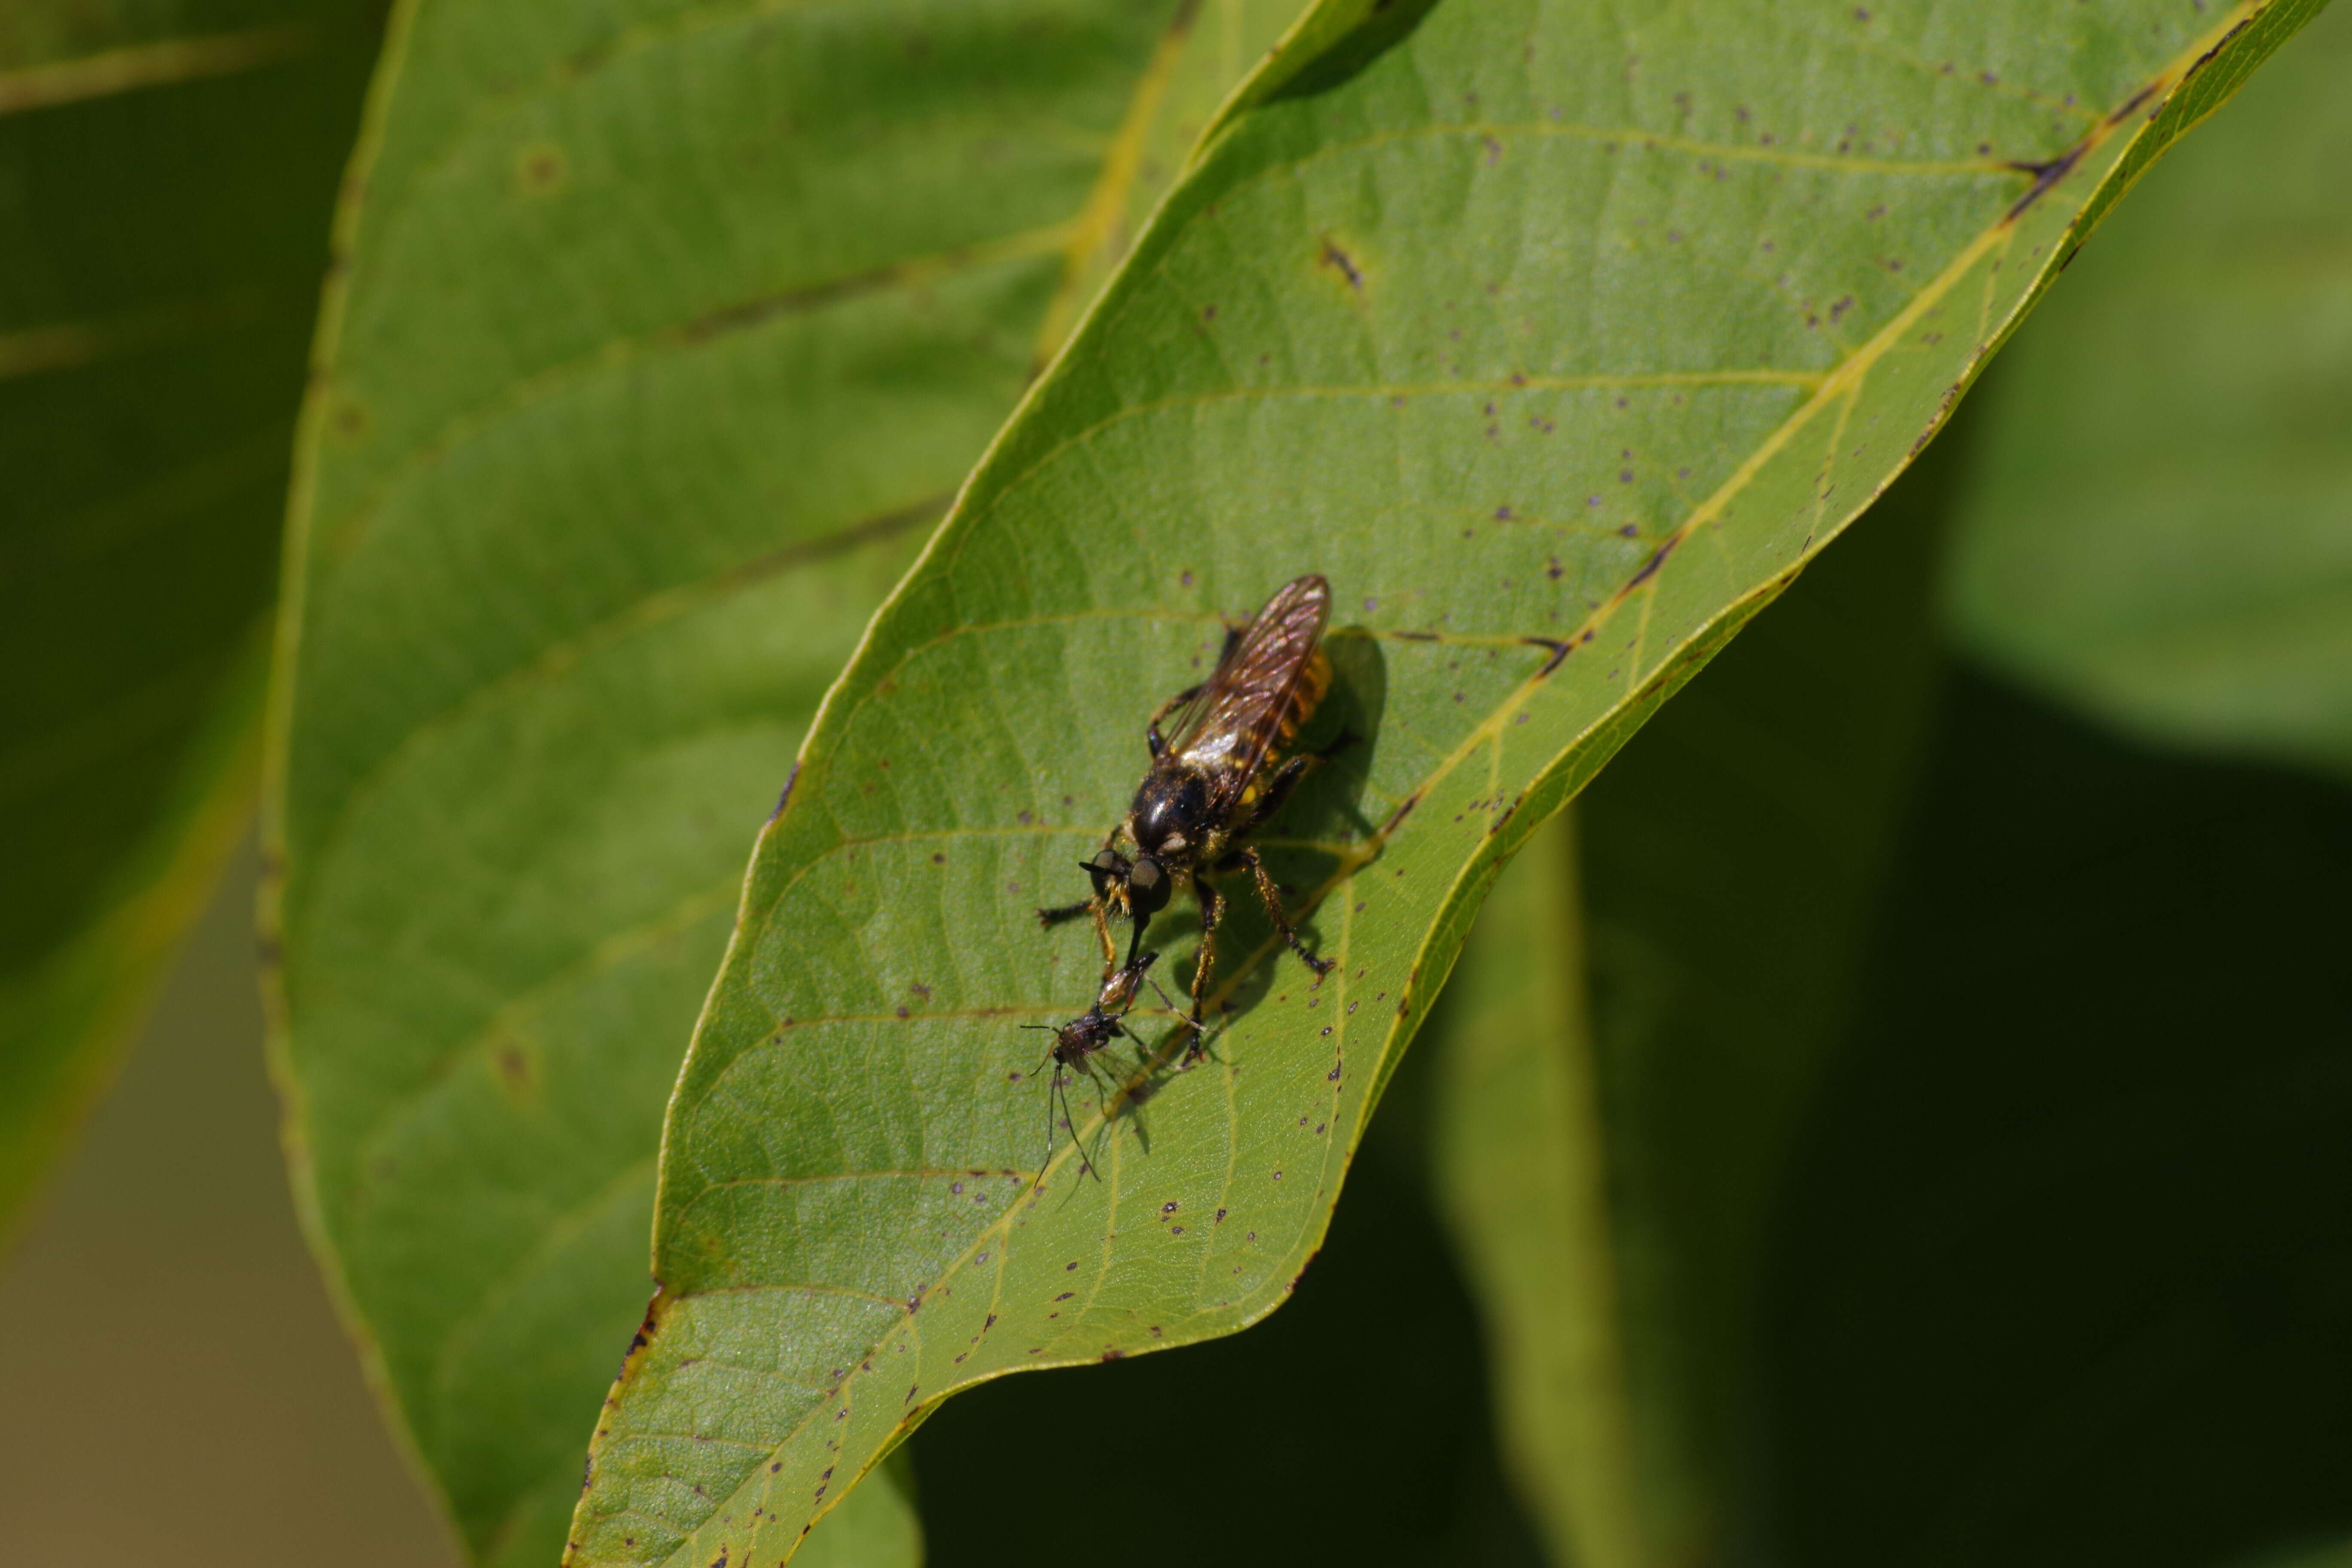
(1255, 700)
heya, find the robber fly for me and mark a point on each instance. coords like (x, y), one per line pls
(1077, 1043)
(1221, 775)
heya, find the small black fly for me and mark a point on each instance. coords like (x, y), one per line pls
(1078, 1042)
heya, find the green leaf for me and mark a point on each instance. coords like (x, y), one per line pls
(165, 179)
(663, 334)
(2156, 531)
(1521, 1175)
(1617, 1126)
(1419, 215)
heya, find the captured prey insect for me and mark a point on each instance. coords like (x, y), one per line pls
(1221, 775)
(1077, 1043)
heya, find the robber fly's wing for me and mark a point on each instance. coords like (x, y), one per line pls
(1243, 709)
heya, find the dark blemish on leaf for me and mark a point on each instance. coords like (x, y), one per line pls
(1333, 1076)
(1650, 567)
(1553, 570)
(1335, 256)
(1169, 1208)
(989, 1324)
(1556, 650)
(776, 1467)
(1592, 500)
(1113, 1355)
(2048, 174)
(539, 171)
(1396, 817)
(902, 1012)
(1320, 1127)
(1175, 1230)
(2131, 104)
(1066, 1268)
(911, 1392)
(1066, 1295)
(785, 798)
(1185, 579)
(1416, 637)
(938, 859)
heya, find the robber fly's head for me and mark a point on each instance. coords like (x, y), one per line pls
(1140, 886)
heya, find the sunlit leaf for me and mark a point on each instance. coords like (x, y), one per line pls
(1559, 339)
(166, 175)
(664, 335)
(2160, 526)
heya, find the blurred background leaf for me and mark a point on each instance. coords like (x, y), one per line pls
(167, 168)
(664, 336)
(1485, 445)
(1521, 1178)
(2158, 526)
(2062, 1275)
(1731, 856)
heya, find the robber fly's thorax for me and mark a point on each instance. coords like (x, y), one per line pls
(1172, 819)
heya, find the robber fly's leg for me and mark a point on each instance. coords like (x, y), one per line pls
(1213, 910)
(1277, 789)
(1151, 735)
(1272, 896)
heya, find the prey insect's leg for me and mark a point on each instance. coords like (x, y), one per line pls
(1046, 1158)
(1213, 910)
(1071, 1122)
(1272, 896)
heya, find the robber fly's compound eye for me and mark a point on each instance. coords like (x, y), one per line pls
(1107, 871)
(1148, 887)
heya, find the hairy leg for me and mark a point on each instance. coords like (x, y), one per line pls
(1213, 910)
(1272, 896)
